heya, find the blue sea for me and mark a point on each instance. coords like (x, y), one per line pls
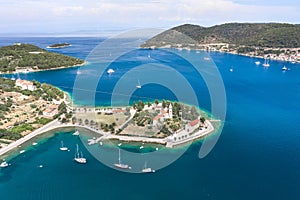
(256, 157)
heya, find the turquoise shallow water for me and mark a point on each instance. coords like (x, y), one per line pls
(256, 157)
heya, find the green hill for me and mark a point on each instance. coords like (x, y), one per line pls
(29, 56)
(246, 34)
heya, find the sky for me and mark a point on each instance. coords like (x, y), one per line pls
(83, 16)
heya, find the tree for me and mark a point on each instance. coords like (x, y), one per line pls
(202, 119)
(140, 106)
(86, 121)
(62, 108)
(92, 123)
(164, 103)
(156, 102)
(74, 120)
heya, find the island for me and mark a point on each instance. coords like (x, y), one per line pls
(263, 40)
(24, 58)
(58, 46)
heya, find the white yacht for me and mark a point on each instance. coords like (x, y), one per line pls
(79, 157)
(110, 71)
(147, 169)
(4, 164)
(63, 148)
(257, 62)
(121, 165)
(284, 68)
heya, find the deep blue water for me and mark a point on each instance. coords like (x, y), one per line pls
(256, 157)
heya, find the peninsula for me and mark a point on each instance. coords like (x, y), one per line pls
(23, 58)
(28, 109)
(273, 40)
(167, 123)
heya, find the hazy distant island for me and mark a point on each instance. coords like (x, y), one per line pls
(58, 45)
(273, 40)
(23, 58)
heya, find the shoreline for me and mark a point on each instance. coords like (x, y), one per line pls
(226, 52)
(55, 124)
(41, 70)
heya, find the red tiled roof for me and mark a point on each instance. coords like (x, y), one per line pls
(195, 122)
(158, 117)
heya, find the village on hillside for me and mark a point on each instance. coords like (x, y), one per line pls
(26, 106)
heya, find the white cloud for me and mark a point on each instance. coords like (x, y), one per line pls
(77, 14)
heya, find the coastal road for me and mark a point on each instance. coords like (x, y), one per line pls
(43, 129)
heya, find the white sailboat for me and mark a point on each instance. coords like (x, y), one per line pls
(79, 157)
(266, 64)
(121, 165)
(147, 169)
(4, 164)
(139, 86)
(63, 148)
(76, 132)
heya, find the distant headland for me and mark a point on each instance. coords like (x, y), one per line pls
(265, 40)
(58, 45)
(24, 58)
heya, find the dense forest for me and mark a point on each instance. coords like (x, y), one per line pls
(273, 35)
(27, 55)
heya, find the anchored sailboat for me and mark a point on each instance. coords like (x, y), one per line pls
(266, 64)
(139, 86)
(121, 165)
(63, 148)
(79, 157)
(147, 169)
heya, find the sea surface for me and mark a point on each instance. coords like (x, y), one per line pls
(256, 157)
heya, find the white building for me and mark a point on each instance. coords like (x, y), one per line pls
(166, 113)
(25, 85)
(193, 125)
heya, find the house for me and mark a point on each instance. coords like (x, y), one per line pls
(25, 85)
(193, 125)
(51, 110)
(166, 113)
